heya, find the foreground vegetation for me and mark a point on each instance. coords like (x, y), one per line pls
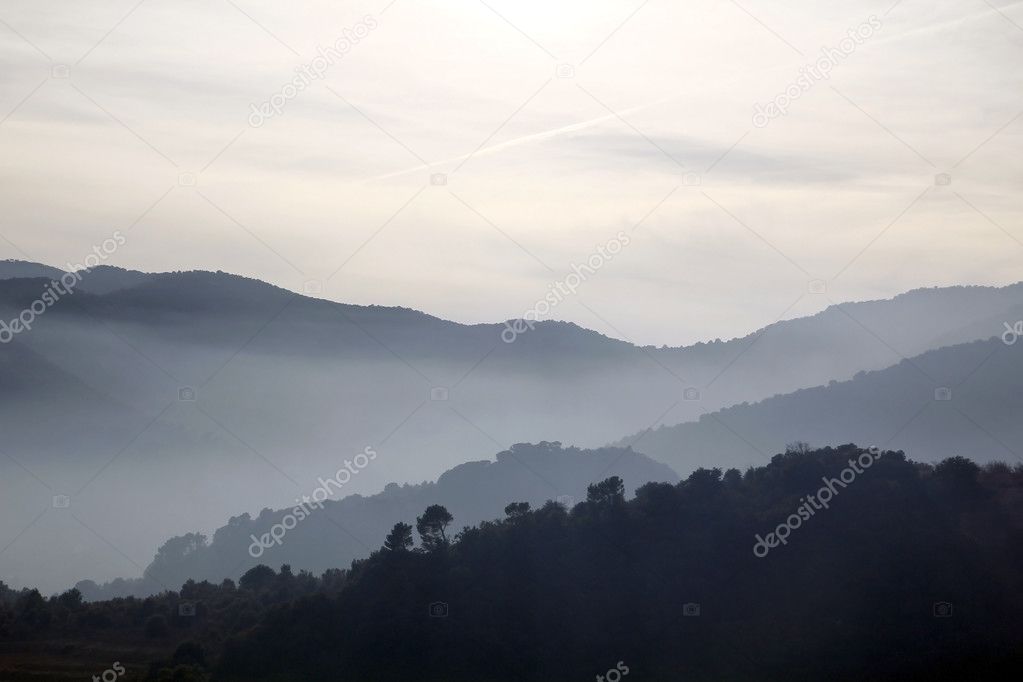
(911, 572)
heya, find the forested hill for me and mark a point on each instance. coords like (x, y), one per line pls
(906, 572)
(349, 528)
(903, 571)
(263, 390)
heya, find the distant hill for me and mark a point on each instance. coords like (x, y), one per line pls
(95, 399)
(352, 527)
(841, 564)
(13, 269)
(905, 406)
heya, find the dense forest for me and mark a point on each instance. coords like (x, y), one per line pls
(906, 571)
(473, 492)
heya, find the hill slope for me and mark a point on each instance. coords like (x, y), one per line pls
(905, 406)
(908, 572)
(285, 385)
(350, 528)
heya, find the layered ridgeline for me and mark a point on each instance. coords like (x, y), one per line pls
(960, 400)
(670, 586)
(178, 399)
(318, 533)
(906, 571)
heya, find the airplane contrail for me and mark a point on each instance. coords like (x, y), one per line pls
(584, 125)
(525, 139)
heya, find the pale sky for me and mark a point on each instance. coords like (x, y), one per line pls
(540, 169)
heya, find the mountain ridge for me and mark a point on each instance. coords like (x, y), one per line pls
(212, 392)
(953, 400)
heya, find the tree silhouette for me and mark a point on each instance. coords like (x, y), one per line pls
(400, 538)
(431, 527)
(934, 597)
(257, 578)
(516, 510)
(607, 493)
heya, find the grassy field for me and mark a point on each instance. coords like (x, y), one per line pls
(76, 659)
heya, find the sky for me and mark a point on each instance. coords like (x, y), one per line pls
(462, 157)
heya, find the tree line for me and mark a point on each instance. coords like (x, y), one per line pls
(912, 572)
